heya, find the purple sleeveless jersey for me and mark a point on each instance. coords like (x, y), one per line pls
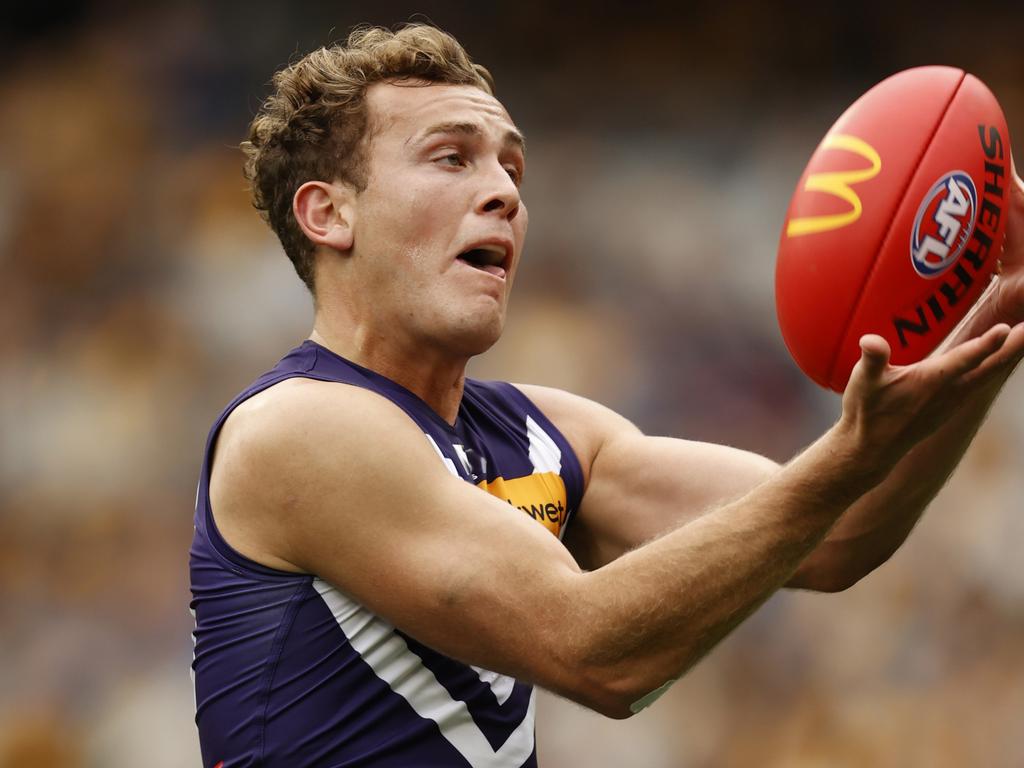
(290, 671)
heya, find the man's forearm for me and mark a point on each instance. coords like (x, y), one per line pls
(716, 570)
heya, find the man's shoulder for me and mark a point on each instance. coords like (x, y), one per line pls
(288, 451)
(290, 431)
(574, 410)
(586, 424)
(295, 406)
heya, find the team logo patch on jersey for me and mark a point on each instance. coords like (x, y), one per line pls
(943, 224)
(540, 495)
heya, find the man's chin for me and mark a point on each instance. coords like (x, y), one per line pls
(473, 338)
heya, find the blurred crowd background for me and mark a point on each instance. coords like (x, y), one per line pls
(139, 292)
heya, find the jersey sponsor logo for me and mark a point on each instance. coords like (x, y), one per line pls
(944, 223)
(541, 495)
(838, 184)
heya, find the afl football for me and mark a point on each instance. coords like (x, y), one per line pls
(896, 224)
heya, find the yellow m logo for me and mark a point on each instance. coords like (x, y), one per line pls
(838, 183)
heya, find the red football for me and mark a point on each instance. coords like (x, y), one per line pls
(897, 223)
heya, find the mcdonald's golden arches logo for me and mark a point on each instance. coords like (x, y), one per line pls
(839, 184)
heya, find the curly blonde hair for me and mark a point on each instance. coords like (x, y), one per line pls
(313, 125)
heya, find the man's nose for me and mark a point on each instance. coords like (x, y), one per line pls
(500, 194)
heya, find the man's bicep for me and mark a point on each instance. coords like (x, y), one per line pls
(642, 487)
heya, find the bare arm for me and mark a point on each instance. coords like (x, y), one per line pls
(333, 480)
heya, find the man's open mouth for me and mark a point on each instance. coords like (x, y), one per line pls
(487, 258)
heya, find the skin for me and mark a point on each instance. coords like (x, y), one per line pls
(675, 543)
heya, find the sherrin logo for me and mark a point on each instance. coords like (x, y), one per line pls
(943, 224)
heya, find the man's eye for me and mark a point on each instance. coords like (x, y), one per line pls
(454, 160)
(514, 174)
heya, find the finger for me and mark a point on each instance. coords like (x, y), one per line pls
(874, 355)
(1003, 360)
(971, 354)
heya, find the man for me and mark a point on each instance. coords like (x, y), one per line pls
(388, 555)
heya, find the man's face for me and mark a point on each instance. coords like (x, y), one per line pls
(439, 228)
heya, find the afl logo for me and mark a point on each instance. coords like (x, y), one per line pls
(943, 224)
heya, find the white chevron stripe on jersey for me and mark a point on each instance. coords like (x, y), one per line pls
(391, 660)
(544, 453)
(501, 685)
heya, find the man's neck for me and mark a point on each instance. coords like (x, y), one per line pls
(436, 379)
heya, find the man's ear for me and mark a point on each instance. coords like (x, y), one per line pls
(326, 213)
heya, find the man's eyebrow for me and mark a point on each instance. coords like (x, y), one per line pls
(512, 137)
